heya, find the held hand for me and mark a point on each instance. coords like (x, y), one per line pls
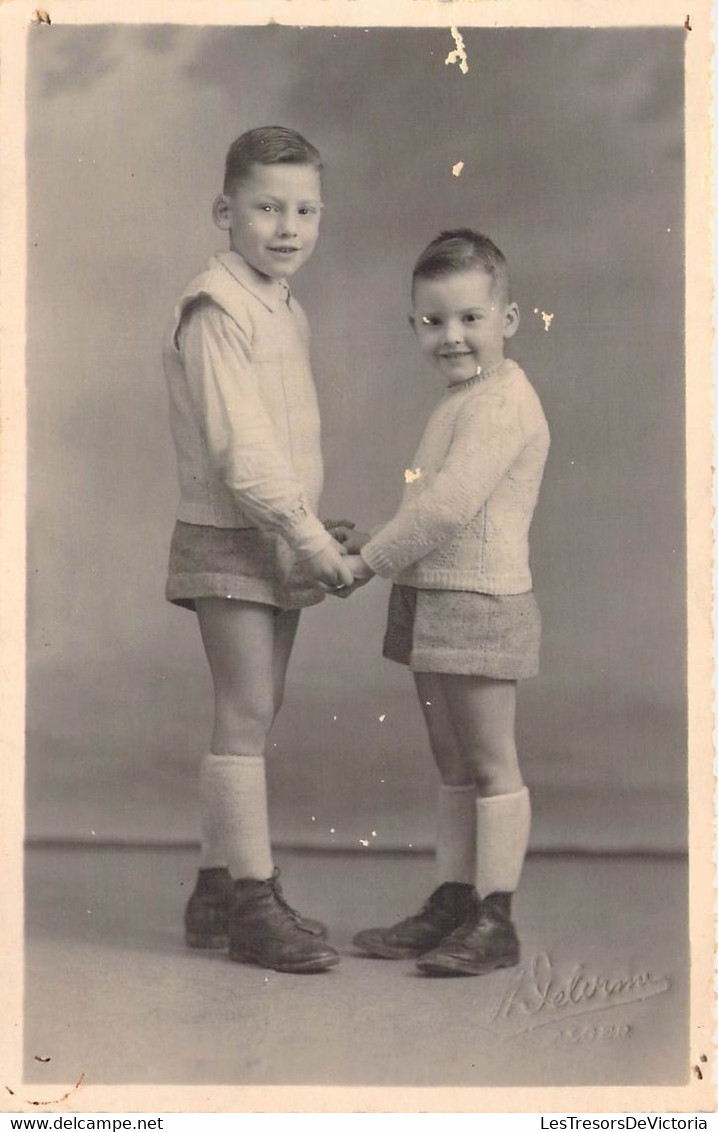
(354, 541)
(361, 573)
(343, 534)
(338, 528)
(349, 538)
(328, 568)
(359, 568)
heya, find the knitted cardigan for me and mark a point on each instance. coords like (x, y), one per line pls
(471, 491)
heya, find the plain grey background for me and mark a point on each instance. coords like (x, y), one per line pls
(572, 147)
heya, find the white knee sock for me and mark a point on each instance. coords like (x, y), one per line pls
(235, 825)
(502, 835)
(456, 834)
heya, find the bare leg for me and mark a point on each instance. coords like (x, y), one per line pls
(484, 717)
(483, 712)
(456, 809)
(454, 768)
(248, 647)
(220, 630)
(238, 643)
(238, 639)
(454, 899)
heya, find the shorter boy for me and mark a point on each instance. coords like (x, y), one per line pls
(462, 614)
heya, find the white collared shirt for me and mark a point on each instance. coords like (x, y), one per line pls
(243, 406)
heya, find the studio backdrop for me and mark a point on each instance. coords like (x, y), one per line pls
(565, 146)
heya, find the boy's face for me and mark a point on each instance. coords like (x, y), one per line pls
(461, 322)
(272, 217)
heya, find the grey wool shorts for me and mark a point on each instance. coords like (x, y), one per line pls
(464, 633)
(244, 564)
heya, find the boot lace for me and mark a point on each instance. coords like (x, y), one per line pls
(280, 898)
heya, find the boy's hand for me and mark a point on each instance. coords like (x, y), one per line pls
(360, 572)
(347, 535)
(338, 528)
(328, 568)
(354, 541)
(360, 569)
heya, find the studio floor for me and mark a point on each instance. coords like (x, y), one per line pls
(600, 995)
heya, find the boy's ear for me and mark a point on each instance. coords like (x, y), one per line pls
(220, 212)
(511, 320)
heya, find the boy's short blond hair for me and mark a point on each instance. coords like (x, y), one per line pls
(267, 145)
(462, 249)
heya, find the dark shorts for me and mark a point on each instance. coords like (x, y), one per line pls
(464, 633)
(244, 564)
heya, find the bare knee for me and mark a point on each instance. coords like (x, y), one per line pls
(448, 756)
(496, 772)
(451, 764)
(241, 729)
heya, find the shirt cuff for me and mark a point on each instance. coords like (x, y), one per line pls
(308, 537)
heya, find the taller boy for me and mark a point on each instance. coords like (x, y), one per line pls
(248, 550)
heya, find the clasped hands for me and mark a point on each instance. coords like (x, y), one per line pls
(350, 541)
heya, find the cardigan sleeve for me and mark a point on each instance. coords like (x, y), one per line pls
(238, 430)
(488, 437)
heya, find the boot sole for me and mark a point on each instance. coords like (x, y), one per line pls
(307, 967)
(221, 942)
(456, 967)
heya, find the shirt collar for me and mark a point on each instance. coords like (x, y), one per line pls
(271, 292)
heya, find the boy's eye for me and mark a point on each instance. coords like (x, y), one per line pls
(427, 321)
(307, 210)
(472, 318)
(268, 207)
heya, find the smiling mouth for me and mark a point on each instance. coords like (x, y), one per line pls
(457, 354)
(285, 250)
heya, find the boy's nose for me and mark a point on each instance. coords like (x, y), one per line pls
(288, 225)
(452, 333)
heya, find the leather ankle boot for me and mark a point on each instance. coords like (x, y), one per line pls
(206, 917)
(486, 941)
(447, 907)
(263, 929)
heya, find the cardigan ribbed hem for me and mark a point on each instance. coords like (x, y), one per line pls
(500, 585)
(517, 582)
(473, 581)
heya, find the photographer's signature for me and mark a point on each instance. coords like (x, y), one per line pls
(539, 996)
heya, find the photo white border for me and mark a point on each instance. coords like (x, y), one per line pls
(697, 1095)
